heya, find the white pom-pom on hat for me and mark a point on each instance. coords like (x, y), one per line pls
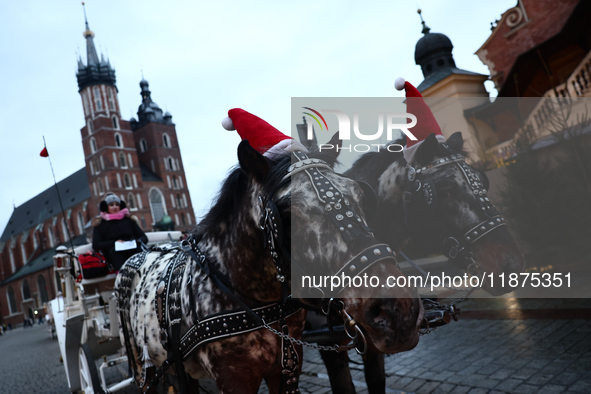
(399, 83)
(228, 124)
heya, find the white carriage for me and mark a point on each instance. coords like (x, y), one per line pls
(85, 318)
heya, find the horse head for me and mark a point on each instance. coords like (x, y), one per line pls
(441, 202)
(330, 238)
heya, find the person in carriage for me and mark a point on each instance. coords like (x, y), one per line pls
(116, 231)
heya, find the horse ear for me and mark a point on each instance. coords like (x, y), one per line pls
(455, 142)
(333, 153)
(426, 151)
(252, 162)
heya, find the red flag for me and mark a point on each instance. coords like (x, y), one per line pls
(44, 153)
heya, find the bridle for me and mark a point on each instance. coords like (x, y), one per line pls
(421, 187)
(351, 227)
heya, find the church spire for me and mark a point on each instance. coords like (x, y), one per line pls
(426, 29)
(91, 54)
(95, 71)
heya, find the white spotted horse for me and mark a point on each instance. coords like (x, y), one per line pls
(441, 203)
(206, 307)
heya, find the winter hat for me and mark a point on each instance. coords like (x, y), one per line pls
(109, 198)
(260, 135)
(426, 122)
(112, 198)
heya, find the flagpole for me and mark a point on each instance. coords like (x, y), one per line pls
(59, 197)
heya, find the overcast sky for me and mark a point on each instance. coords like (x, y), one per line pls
(201, 59)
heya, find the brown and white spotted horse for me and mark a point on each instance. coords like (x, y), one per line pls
(229, 250)
(440, 202)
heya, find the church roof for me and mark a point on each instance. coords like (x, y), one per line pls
(73, 190)
(148, 175)
(41, 262)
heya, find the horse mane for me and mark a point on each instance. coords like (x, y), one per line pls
(380, 161)
(230, 197)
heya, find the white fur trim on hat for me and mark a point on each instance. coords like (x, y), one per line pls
(284, 147)
(228, 124)
(409, 153)
(399, 83)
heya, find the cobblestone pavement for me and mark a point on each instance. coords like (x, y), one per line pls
(481, 357)
(469, 356)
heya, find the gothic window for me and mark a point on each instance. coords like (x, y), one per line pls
(143, 145)
(115, 122)
(157, 205)
(35, 242)
(11, 255)
(122, 162)
(51, 237)
(11, 300)
(80, 223)
(23, 251)
(93, 147)
(85, 103)
(64, 230)
(26, 290)
(170, 164)
(166, 140)
(97, 99)
(118, 140)
(175, 183)
(96, 165)
(130, 201)
(183, 219)
(89, 127)
(101, 188)
(179, 202)
(112, 104)
(42, 288)
(176, 218)
(127, 181)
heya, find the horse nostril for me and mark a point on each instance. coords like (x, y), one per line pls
(376, 316)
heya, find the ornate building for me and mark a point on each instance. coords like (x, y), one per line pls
(139, 160)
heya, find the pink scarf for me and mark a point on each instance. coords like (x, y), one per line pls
(115, 216)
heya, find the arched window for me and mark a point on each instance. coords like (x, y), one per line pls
(23, 251)
(157, 205)
(64, 230)
(51, 237)
(175, 183)
(42, 288)
(179, 202)
(112, 104)
(11, 300)
(97, 98)
(115, 122)
(131, 201)
(80, 223)
(101, 188)
(26, 290)
(118, 140)
(176, 218)
(11, 255)
(170, 164)
(166, 140)
(143, 145)
(35, 242)
(96, 165)
(89, 127)
(122, 161)
(85, 103)
(183, 219)
(127, 181)
(93, 148)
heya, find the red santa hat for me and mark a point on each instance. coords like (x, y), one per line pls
(260, 135)
(426, 123)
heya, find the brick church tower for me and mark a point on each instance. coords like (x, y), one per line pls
(140, 161)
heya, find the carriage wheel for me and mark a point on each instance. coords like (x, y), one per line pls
(89, 380)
